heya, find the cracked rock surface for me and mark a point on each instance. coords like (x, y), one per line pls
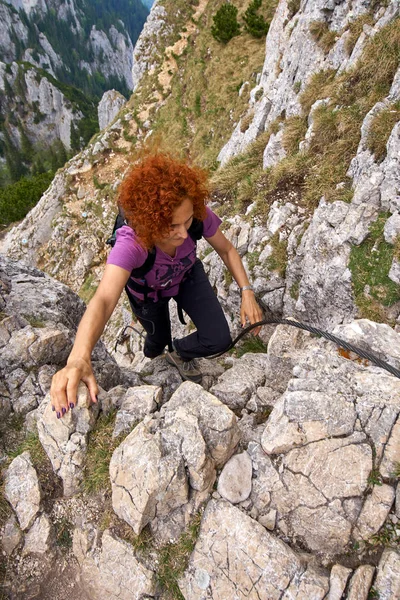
(22, 489)
(235, 557)
(65, 440)
(156, 466)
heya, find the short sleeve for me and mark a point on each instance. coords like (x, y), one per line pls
(127, 253)
(210, 223)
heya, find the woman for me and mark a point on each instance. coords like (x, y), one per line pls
(162, 200)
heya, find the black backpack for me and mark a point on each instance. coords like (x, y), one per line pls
(195, 231)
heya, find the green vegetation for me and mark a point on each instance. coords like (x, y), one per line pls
(277, 261)
(173, 560)
(370, 263)
(320, 170)
(17, 199)
(208, 79)
(374, 478)
(70, 42)
(225, 23)
(101, 446)
(252, 344)
(31, 444)
(381, 128)
(88, 288)
(63, 531)
(387, 537)
(324, 37)
(255, 24)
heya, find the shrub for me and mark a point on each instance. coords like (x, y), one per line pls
(17, 199)
(255, 24)
(225, 25)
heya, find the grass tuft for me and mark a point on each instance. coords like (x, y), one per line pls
(370, 264)
(355, 29)
(251, 343)
(101, 446)
(174, 559)
(380, 129)
(324, 37)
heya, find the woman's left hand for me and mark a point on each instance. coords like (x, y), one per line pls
(250, 310)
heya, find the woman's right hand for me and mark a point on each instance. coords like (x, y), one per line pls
(64, 385)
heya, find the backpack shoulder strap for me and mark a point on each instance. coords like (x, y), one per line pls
(196, 230)
(119, 222)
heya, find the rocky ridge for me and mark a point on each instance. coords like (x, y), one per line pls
(325, 522)
(301, 504)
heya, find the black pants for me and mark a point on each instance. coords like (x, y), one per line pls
(197, 298)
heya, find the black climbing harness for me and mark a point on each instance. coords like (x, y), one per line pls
(275, 321)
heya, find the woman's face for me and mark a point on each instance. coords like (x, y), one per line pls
(182, 218)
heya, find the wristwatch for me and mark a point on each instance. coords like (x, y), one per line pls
(246, 287)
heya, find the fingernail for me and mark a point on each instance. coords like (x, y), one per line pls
(53, 408)
(71, 405)
(58, 415)
(63, 410)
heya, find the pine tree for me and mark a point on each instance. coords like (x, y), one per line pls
(225, 25)
(255, 24)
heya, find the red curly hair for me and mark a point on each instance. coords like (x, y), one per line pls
(154, 188)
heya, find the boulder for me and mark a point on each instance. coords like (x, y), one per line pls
(236, 557)
(22, 489)
(65, 440)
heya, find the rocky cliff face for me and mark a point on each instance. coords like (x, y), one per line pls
(49, 51)
(294, 451)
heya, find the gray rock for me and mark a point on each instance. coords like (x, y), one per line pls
(392, 228)
(235, 556)
(115, 572)
(22, 489)
(236, 385)
(268, 520)
(65, 440)
(375, 512)
(387, 582)
(234, 483)
(11, 535)
(338, 581)
(156, 465)
(39, 538)
(109, 106)
(147, 481)
(360, 583)
(136, 404)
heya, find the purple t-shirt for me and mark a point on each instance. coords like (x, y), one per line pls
(167, 271)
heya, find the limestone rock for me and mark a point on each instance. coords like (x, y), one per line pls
(375, 511)
(235, 386)
(196, 434)
(22, 489)
(360, 583)
(11, 535)
(147, 479)
(65, 440)
(338, 581)
(217, 423)
(114, 572)
(136, 404)
(235, 556)
(387, 582)
(38, 539)
(234, 483)
(109, 106)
